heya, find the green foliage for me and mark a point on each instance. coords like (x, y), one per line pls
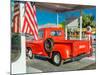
(88, 20)
(63, 24)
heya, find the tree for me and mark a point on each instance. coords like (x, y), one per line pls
(88, 20)
(63, 24)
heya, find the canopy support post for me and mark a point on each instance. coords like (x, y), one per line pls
(57, 18)
(80, 24)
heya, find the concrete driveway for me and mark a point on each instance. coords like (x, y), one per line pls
(39, 64)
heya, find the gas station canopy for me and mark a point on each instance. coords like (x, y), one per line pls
(58, 7)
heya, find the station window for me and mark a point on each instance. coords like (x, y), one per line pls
(15, 47)
(40, 34)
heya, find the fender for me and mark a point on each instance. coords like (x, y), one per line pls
(35, 47)
(63, 49)
(30, 45)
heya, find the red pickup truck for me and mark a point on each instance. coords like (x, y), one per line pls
(52, 44)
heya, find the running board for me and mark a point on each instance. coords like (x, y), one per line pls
(79, 57)
(76, 58)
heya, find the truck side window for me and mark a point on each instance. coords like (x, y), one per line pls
(55, 33)
(40, 34)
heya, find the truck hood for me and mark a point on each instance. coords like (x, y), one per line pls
(33, 41)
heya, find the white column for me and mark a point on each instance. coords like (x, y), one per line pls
(80, 24)
(19, 66)
(23, 44)
(57, 18)
(66, 34)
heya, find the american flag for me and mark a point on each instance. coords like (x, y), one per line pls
(16, 18)
(30, 20)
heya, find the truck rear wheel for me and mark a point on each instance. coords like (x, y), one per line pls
(29, 53)
(48, 45)
(56, 59)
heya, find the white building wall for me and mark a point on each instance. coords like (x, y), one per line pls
(72, 25)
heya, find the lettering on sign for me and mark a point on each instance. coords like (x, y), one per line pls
(82, 46)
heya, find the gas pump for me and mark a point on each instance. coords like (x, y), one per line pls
(89, 37)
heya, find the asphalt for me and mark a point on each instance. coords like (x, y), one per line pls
(38, 65)
(89, 67)
(42, 65)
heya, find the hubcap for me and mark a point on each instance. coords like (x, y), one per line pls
(26, 50)
(30, 53)
(56, 59)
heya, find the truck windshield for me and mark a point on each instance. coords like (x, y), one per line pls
(40, 34)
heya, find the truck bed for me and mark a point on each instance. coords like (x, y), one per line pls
(77, 46)
(70, 41)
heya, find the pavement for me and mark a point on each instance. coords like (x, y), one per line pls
(91, 66)
(39, 64)
(31, 70)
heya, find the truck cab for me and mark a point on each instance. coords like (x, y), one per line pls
(54, 33)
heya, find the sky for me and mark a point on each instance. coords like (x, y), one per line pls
(45, 16)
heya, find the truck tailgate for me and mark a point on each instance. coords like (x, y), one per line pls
(80, 47)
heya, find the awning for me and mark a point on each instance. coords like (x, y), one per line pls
(59, 7)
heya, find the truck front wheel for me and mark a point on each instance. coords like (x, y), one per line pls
(56, 59)
(29, 53)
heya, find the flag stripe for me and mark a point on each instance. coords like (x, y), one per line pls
(15, 24)
(16, 18)
(16, 9)
(34, 8)
(29, 12)
(30, 25)
(28, 30)
(24, 25)
(17, 13)
(32, 12)
(18, 23)
(31, 21)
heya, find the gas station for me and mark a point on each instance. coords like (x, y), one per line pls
(19, 66)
